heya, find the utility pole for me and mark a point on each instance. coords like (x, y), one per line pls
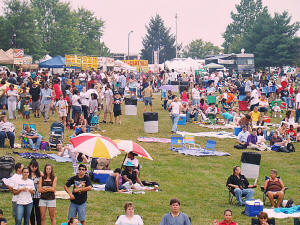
(128, 43)
(176, 16)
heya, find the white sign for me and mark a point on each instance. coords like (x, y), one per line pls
(222, 61)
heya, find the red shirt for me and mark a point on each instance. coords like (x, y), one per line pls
(224, 223)
(57, 91)
(292, 133)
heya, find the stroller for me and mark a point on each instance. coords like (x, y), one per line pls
(56, 134)
(7, 165)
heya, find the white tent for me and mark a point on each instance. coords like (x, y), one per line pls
(214, 66)
(123, 66)
(43, 59)
(187, 65)
(4, 58)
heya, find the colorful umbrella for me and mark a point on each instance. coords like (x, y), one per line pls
(95, 145)
(130, 146)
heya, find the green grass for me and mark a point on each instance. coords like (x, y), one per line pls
(199, 182)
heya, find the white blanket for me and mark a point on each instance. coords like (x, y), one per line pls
(273, 214)
(220, 134)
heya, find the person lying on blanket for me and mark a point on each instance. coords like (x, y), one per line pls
(112, 183)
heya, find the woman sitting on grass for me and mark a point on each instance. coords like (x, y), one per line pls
(227, 219)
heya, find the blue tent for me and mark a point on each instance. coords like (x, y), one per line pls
(56, 62)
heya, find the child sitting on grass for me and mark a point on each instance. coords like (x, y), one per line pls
(276, 110)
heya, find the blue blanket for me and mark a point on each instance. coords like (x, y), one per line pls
(30, 155)
(199, 152)
(295, 209)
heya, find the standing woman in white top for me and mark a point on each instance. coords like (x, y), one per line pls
(12, 102)
(76, 106)
(84, 98)
(129, 218)
(176, 107)
(24, 189)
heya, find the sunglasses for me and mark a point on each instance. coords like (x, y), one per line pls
(82, 169)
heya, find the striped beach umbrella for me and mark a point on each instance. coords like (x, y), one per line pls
(95, 145)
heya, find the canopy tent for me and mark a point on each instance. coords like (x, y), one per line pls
(4, 58)
(214, 66)
(123, 66)
(187, 65)
(56, 62)
(45, 58)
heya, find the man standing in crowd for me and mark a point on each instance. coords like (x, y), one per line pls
(81, 185)
(46, 95)
(35, 92)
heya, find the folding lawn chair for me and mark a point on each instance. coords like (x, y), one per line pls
(211, 99)
(176, 141)
(210, 145)
(94, 123)
(262, 188)
(189, 141)
(24, 141)
(279, 103)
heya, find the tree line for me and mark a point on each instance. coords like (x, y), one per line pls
(50, 27)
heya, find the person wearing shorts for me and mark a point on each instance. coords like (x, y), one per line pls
(81, 185)
(147, 94)
(47, 187)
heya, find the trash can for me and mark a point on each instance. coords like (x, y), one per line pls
(250, 164)
(130, 107)
(151, 122)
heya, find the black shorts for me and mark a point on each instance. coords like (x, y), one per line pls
(117, 113)
(263, 109)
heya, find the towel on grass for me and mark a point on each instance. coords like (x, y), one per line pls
(291, 210)
(153, 139)
(220, 134)
(280, 215)
(30, 155)
(59, 158)
(199, 152)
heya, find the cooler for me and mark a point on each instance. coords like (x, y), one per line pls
(130, 107)
(150, 122)
(237, 130)
(182, 119)
(254, 207)
(101, 175)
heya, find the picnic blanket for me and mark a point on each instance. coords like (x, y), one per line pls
(277, 213)
(59, 158)
(101, 187)
(220, 134)
(30, 155)
(231, 126)
(153, 139)
(198, 152)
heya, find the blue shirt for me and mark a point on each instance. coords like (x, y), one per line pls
(46, 96)
(181, 219)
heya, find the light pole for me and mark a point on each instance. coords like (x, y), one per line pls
(14, 43)
(176, 34)
(128, 42)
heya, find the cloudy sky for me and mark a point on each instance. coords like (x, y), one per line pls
(196, 18)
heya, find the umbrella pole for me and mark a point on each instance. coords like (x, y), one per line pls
(123, 161)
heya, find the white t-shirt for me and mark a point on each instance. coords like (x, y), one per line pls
(108, 96)
(75, 99)
(24, 197)
(11, 183)
(124, 220)
(81, 76)
(297, 101)
(135, 161)
(255, 99)
(195, 93)
(84, 98)
(248, 85)
(175, 107)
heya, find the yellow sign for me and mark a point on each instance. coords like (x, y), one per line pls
(84, 62)
(140, 65)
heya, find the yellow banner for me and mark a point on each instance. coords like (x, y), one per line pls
(140, 65)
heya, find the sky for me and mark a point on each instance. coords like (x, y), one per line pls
(205, 19)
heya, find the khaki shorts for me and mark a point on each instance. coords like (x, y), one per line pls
(108, 108)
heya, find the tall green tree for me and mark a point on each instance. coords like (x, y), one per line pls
(272, 40)
(198, 49)
(18, 19)
(158, 38)
(242, 20)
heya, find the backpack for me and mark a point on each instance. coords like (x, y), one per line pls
(290, 147)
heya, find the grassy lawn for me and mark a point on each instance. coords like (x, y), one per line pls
(199, 182)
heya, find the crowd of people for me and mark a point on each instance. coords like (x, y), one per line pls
(78, 97)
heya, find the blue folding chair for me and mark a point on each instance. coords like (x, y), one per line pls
(273, 89)
(210, 145)
(265, 90)
(176, 141)
(242, 97)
